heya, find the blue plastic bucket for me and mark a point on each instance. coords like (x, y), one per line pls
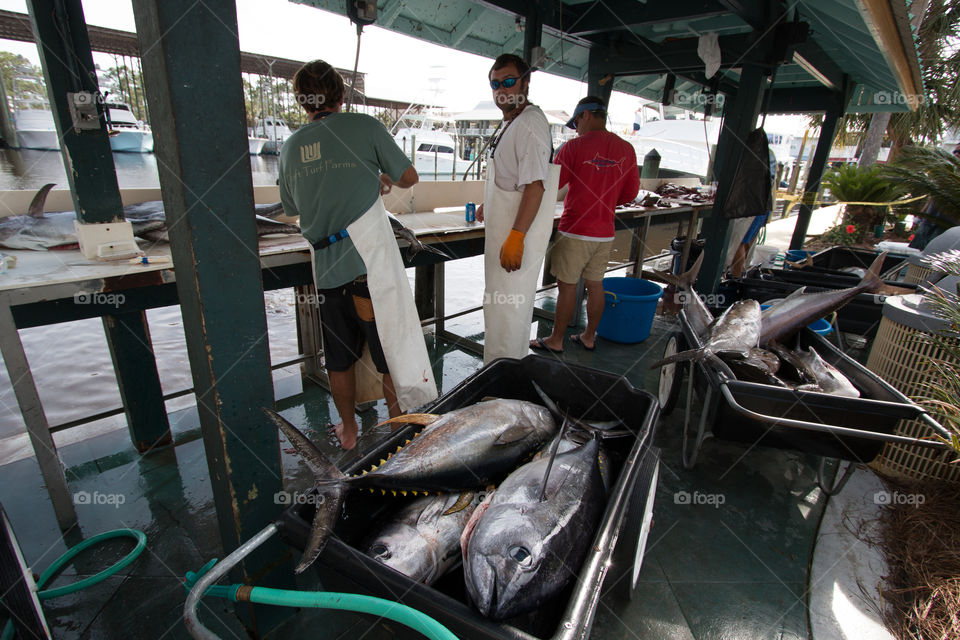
(798, 255)
(628, 310)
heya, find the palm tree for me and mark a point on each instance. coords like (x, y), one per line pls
(937, 47)
(932, 172)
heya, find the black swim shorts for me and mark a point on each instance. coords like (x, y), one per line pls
(346, 315)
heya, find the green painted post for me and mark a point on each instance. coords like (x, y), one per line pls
(817, 164)
(136, 369)
(64, 47)
(68, 68)
(740, 118)
(197, 114)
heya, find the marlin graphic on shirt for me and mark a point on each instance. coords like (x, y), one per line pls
(599, 162)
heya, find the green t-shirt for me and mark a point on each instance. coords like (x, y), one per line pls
(329, 176)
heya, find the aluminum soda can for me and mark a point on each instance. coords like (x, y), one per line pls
(471, 212)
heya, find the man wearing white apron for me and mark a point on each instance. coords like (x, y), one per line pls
(519, 202)
(333, 171)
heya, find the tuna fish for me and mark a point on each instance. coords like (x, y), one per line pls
(526, 547)
(799, 309)
(829, 379)
(38, 231)
(735, 333)
(423, 540)
(464, 449)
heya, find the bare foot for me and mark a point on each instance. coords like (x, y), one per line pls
(346, 435)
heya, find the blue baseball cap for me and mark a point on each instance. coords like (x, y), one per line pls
(581, 108)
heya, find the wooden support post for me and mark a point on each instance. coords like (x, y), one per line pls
(131, 350)
(208, 198)
(424, 291)
(309, 339)
(36, 421)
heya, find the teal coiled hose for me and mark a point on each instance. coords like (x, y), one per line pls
(71, 553)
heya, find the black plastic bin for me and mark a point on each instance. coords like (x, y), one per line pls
(677, 245)
(838, 258)
(584, 392)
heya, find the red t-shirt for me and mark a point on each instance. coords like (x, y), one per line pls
(601, 169)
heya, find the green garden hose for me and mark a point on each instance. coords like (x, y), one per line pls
(141, 538)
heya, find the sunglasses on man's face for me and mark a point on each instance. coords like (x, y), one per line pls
(507, 83)
(956, 152)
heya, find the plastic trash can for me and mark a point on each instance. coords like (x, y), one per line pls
(629, 307)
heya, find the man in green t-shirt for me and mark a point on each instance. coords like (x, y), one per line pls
(332, 171)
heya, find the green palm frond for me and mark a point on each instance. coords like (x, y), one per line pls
(929, 172)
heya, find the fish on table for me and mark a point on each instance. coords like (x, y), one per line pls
(38, 230)
(465, 449)
(422, 540)
(532, 537)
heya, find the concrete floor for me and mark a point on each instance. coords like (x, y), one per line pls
(727, 558)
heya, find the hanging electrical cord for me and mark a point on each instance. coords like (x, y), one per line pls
(361, 13)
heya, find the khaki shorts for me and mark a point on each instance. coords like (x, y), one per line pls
(573, 258)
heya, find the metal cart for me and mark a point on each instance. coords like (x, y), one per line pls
(830, 426)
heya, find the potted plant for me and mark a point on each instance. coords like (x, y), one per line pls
(851, 184)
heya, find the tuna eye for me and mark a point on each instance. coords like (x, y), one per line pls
(521, 555)
(380, 551)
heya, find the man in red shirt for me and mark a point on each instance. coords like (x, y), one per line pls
(601, 169)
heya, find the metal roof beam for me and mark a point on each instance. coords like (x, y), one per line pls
(678, 57)
(602, 17)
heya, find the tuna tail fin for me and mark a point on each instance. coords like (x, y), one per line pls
(39, 200)
(330, 488)
(871, 279)
(683, 281)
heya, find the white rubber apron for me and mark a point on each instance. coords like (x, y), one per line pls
(508, 297)
(394, 311)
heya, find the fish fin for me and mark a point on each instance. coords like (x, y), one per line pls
(690, 276)
(871, 279)
(553, 456)
(720, 365)
(513, 434)
(462, 503)
(330, 487)
(39, 200)
(322, 467)
(795, 294)
(422, 419)
(547, 402)
(689, 354)
(430, 248)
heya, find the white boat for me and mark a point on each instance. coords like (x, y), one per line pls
(36, 130)
(127, 134)
(435, 137)
(256, 144)
(274, 130)
(683, 142)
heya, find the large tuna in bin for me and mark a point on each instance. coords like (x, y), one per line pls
(344, 567)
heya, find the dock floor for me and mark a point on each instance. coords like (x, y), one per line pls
(731, 565)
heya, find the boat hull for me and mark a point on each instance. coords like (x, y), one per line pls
(256, 145)
(132, 142)
(46, 140)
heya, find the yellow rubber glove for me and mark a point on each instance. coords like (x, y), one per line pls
(511, 253)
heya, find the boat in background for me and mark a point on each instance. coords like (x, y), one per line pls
(36, 130)
(274, 130)
(256, 144)
(127, 134)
